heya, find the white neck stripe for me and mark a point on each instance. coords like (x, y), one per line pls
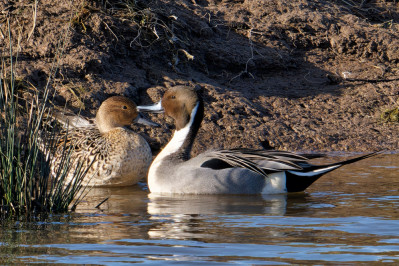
(178, 138)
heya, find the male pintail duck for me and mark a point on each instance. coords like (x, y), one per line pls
(115, 155)
(236, 171)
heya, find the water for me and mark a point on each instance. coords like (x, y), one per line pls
(349, 216)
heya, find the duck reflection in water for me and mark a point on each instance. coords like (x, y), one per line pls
(131, 212)
(188, 216)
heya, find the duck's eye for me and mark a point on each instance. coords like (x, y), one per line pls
(124, 107)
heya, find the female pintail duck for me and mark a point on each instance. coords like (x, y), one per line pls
(113, 153)
(236, 171)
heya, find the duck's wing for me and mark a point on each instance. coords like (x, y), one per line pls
(259, 161)
(72, 120)
(220, 159)
(272, 160)
(72, 140)
(270, 155)
(80, 138)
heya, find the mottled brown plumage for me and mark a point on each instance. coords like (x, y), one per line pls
(117, 156)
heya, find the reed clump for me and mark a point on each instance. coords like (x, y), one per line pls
(28, 185)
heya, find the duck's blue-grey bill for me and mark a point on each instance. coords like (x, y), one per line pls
(155, 108)
(144, 121)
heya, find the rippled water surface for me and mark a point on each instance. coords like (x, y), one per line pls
(349, 216)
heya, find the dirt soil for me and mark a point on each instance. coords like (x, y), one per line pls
(306, 75)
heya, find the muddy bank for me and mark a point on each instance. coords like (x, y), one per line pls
(302, 76)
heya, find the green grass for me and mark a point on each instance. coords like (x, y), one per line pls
(391, 115)
(27, 185)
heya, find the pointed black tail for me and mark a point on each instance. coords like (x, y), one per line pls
(299, 180)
